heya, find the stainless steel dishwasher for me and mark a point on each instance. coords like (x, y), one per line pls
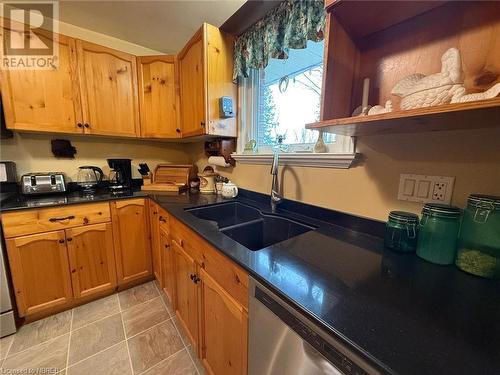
(284, 342)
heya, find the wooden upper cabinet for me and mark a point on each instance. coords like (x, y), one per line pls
(219, 47)
(40, 271)
(131, 235)
(44, 100)
(193, 86)
(224, 334)
(158, 96)
(91, 259)
(205, 75)
(108, 81)
(186, 292)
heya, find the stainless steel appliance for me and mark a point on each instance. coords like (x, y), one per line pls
(89, 178)
(120, 178)
(7, 320)
(43, 183)
(282, 341)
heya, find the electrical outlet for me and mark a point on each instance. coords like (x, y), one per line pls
(425, 189)
(439, 191)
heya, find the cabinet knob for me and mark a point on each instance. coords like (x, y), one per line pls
(196, 279)
(86, 125)
(162, 219)
(202, 124)
(80, 125)
(178, 130)
(61, 241)
(69, 239)
(167, 247)
(192, 276)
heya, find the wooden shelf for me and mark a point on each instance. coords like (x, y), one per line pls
(362, 18)
(480, 114)
(405, 38)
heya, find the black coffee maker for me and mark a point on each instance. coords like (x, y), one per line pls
(120, 177)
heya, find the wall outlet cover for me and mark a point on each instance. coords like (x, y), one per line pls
(425, 189)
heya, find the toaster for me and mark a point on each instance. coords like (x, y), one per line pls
(43, 183)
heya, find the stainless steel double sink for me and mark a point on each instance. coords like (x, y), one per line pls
(248, 225)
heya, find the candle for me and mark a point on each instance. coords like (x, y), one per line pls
(366, 90)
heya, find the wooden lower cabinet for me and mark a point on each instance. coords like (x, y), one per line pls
(40, 271)
(91, 259)
(155, 241)
(187, 293)
(131, 232)
(224, 333)
(211, 295)
(168, 282)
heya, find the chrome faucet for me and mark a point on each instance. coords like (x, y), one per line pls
(276, 198)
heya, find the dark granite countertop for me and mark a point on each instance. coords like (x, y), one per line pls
(15, 202)
(404, 314)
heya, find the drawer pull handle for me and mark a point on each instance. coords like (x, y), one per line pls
(55, 219)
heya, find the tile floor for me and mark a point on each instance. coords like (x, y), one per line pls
(131, 332)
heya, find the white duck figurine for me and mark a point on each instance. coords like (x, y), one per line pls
(418, 90)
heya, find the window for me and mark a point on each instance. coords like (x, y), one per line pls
(277, 102)
(289, 98)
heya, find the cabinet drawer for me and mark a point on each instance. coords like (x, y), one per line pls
(48, 219)
(190, 242)
(227, 274)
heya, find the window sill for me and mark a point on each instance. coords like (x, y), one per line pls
(327, 160)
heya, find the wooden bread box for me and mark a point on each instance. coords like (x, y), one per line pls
(170, 178)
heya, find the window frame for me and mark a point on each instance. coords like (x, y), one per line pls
(341, 153)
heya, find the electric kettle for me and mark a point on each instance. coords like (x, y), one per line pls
(89, 177)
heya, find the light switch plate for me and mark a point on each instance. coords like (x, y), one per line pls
(425, 189)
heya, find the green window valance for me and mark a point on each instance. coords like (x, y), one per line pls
(290, 25)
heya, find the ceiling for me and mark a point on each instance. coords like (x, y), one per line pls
(162, 25)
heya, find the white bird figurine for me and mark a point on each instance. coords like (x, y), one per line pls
(418, 90)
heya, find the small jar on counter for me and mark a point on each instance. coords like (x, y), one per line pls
(401, 231)
(438, 233)
(479, 243)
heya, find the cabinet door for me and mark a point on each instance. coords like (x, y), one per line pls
(91, 259)
(193, 86)
(158, 96)
(224, 330)
(45, 100)
(167, 266)
(155, 241)
(132, 241)
(186, 293)
(108, 81)
(220, 81)
(40, 271)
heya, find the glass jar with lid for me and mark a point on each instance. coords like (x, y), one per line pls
(438, 233)
(479, 243)
(401, 231)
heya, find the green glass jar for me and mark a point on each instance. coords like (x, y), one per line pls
(479, 243)
(438, 233)
(401, 231)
